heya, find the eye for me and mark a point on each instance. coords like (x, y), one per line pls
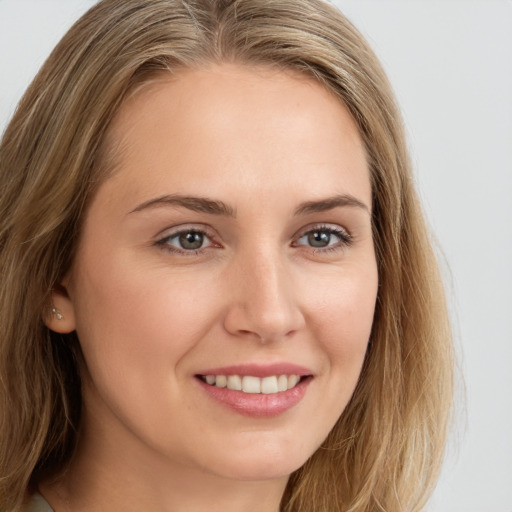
(325, 237)
(187, 240)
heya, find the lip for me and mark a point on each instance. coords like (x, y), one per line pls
(258, 405)
(259, 370)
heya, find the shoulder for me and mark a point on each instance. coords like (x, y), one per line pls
(38, 504)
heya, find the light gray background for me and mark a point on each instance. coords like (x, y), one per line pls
(450, 62)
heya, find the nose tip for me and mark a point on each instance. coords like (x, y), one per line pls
(263, 323)
(264, 303)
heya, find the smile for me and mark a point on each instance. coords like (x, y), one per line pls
(258, 391)
(250, 384)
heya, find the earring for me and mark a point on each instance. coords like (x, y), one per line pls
(57, 313)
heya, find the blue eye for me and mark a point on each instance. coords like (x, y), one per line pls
(324, 238)
(187, 241)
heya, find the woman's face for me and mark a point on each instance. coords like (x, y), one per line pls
(232, 247)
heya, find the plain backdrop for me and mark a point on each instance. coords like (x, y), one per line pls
(450, 62)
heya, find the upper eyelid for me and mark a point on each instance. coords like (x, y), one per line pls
(184, 228)
(319, 226)
(345, 238)
(163, 241)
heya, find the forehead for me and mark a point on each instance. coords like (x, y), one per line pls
(230, 122)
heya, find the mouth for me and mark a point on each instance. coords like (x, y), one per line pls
(254, 390)
(251, 384)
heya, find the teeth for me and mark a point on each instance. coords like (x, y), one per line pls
(282, 383)
(292, 380)
(249, 384)
(221, 381)
(235, 382)
(269, 385)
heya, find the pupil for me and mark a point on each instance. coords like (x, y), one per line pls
(191, 240)
(319, 238)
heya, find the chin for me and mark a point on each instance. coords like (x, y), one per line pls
(261, 471)
(263, 465)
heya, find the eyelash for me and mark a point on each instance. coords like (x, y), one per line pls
(345, 240)
(163, 242)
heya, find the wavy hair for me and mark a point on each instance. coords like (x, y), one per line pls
(385, 451)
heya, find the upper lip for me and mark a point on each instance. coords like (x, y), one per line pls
(258, 370)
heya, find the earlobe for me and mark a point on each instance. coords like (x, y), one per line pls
(60, 316)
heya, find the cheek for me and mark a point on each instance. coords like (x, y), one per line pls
(136, 327)
(342, 314)
(133, 322)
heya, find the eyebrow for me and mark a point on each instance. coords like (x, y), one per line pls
(196, 204)
(330, 203)
(215, 207)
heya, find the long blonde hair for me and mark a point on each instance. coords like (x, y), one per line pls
(385, 451)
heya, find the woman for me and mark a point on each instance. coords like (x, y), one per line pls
(218, 290)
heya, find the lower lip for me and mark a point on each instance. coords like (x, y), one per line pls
(258, 405)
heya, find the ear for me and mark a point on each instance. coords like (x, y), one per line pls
(60, 315)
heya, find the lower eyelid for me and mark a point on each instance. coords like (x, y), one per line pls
(162, 245)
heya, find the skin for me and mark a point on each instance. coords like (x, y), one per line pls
(150, 314)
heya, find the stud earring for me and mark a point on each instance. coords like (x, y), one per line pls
(57, 313)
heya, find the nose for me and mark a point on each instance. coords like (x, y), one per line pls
(263, 301)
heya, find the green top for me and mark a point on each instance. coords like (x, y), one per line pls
(38, 504)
